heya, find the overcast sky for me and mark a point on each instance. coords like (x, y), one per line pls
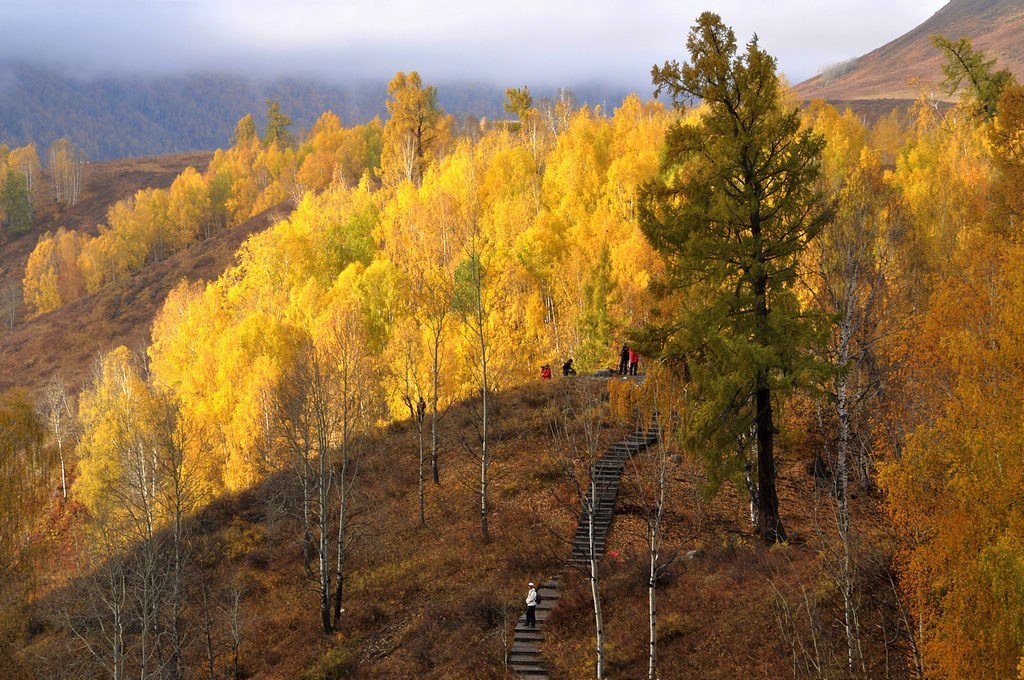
(534, 42)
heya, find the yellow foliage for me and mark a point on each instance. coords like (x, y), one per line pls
(536, 216)
(52, 274)
(952, 493)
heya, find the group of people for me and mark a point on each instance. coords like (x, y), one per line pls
(567, 369)
(629, 360)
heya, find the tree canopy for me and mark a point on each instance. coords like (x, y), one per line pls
(730, 212)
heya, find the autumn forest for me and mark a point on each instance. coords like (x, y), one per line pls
(828, 315)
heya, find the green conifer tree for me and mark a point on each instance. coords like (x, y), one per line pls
(277, 126)
(964, 63)
(16, 202)
(731, 210)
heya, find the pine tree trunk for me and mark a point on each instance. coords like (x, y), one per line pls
(767, 500)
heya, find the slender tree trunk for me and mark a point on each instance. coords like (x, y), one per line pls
(235, 622)
(204, 589)
(652, 612)
(421, 470)
(842, 485)
(119, 596)
(654, 548)
(325, 543)
(433, 412)
(177, 596)
(483, 469)
(63, 474)
(484, 459)
(342, 516)
(594, 591)
(307, 515)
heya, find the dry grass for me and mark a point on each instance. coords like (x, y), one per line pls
(432, 601)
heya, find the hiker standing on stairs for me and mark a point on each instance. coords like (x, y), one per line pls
(531, 607)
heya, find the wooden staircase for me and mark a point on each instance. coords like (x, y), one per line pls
(526, 659)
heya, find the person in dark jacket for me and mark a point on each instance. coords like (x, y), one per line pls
(624, 359)
(568, 369)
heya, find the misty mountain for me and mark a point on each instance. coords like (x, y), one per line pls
(119, 116)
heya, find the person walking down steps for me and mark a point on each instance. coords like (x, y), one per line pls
(531, 607)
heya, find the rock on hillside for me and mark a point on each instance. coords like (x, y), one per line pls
(891, 71)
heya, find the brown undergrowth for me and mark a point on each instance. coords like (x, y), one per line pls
(434, 601)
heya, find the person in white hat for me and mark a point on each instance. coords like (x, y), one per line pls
(531, 607)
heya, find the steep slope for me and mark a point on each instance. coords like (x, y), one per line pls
(105, 183)
(66, 339)
(894, 70)
(435, 602)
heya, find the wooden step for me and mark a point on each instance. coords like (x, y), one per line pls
(531, 660)
(526, 658)
(522, 668)
(524, 648)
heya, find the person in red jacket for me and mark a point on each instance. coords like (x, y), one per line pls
(634, 359)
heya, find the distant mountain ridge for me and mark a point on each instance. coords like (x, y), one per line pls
(994, 26)
(121, 117)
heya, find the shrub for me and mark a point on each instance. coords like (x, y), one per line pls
(339, 663)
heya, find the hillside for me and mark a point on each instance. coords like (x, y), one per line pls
(115, 117)
(900, 69)
(434, 602)
(105, 183)
(67, 339)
